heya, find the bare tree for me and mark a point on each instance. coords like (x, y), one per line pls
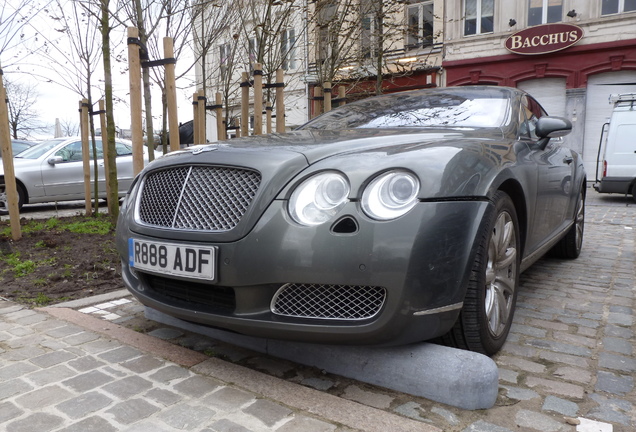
(146, 18)
(370, 41)
(23, 117)
(269, 32)
(105, 29)
(337, 30)
(75, 61)
(16, 44)
(177, 19)
(272, 32)
(69, 127)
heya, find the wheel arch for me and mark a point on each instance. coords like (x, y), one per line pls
(20, 185)
(518, 197)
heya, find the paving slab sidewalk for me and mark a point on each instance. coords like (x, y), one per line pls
(63, 370)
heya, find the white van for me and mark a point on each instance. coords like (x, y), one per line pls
(618, 149)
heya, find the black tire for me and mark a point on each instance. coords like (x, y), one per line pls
(4, 209)
(489, 305)
(21, 197)
(570, 246)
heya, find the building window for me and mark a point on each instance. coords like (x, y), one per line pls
(419, 19)
(224, 58)
(370, 10)
(323, 43)
(288, 49)
(544, 11)
(479, 16)
(326, 13)
(368, 44)
(609, 7)
(252, 50)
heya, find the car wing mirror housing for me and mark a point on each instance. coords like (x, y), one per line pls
(55, 160)
(551, 127)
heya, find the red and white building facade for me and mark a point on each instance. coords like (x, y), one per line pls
(570, 54)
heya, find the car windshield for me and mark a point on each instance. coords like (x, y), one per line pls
(39, 149)
(415, 110)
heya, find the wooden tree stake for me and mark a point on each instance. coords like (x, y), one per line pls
(86, 156)
(102, 123)
(10, 186)
(245, 104)
(326, 91)
(195, 118)
(258, 99)
(280, 101)
(171, 95)
(134, 77)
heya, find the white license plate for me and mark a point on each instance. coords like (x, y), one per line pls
(173, 259)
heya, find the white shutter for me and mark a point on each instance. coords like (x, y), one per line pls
(549, 92)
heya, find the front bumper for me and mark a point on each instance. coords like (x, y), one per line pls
(422, 261)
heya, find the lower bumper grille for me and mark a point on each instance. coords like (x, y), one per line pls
(336, 302)
(207, 297)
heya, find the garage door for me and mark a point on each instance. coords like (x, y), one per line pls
(598, 110)
(549, 92)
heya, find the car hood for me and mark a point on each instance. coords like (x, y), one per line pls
(19, 163)
(315, 145)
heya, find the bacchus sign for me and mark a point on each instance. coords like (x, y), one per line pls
(544, 39)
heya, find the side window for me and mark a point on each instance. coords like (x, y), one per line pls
(71, 152)
(122, 149)
(532, 111)
(98, 146)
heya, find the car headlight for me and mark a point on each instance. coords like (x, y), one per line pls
(318, 199)
(390, 195)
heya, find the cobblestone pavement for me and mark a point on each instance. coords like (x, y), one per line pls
(99, 365)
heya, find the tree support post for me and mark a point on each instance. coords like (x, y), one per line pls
(86, 155)
(258, 99)
(326, 92)
(102, 122)
(280, 101)
(342, 95)
(134, 78)
(171, 95)
(245, 104)
(10, 186)
(317, 99)
(195, 118)
(268, 117)
(201, 111)
(218, 110)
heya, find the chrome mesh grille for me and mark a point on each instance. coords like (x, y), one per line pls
(198, 198)
(342, 302)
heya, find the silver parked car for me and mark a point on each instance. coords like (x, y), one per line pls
(391, 220)
(54, 171)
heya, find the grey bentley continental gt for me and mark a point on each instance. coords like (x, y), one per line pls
(399, 218)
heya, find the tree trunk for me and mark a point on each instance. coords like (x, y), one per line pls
(143, 37)
(113, 199)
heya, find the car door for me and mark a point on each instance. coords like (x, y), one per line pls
(554, 178)
(125, 172)
(64, 180)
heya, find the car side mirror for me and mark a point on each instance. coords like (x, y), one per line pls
(55, 160)
(551, 127)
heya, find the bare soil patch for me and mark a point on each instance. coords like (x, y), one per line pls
(54, 264)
